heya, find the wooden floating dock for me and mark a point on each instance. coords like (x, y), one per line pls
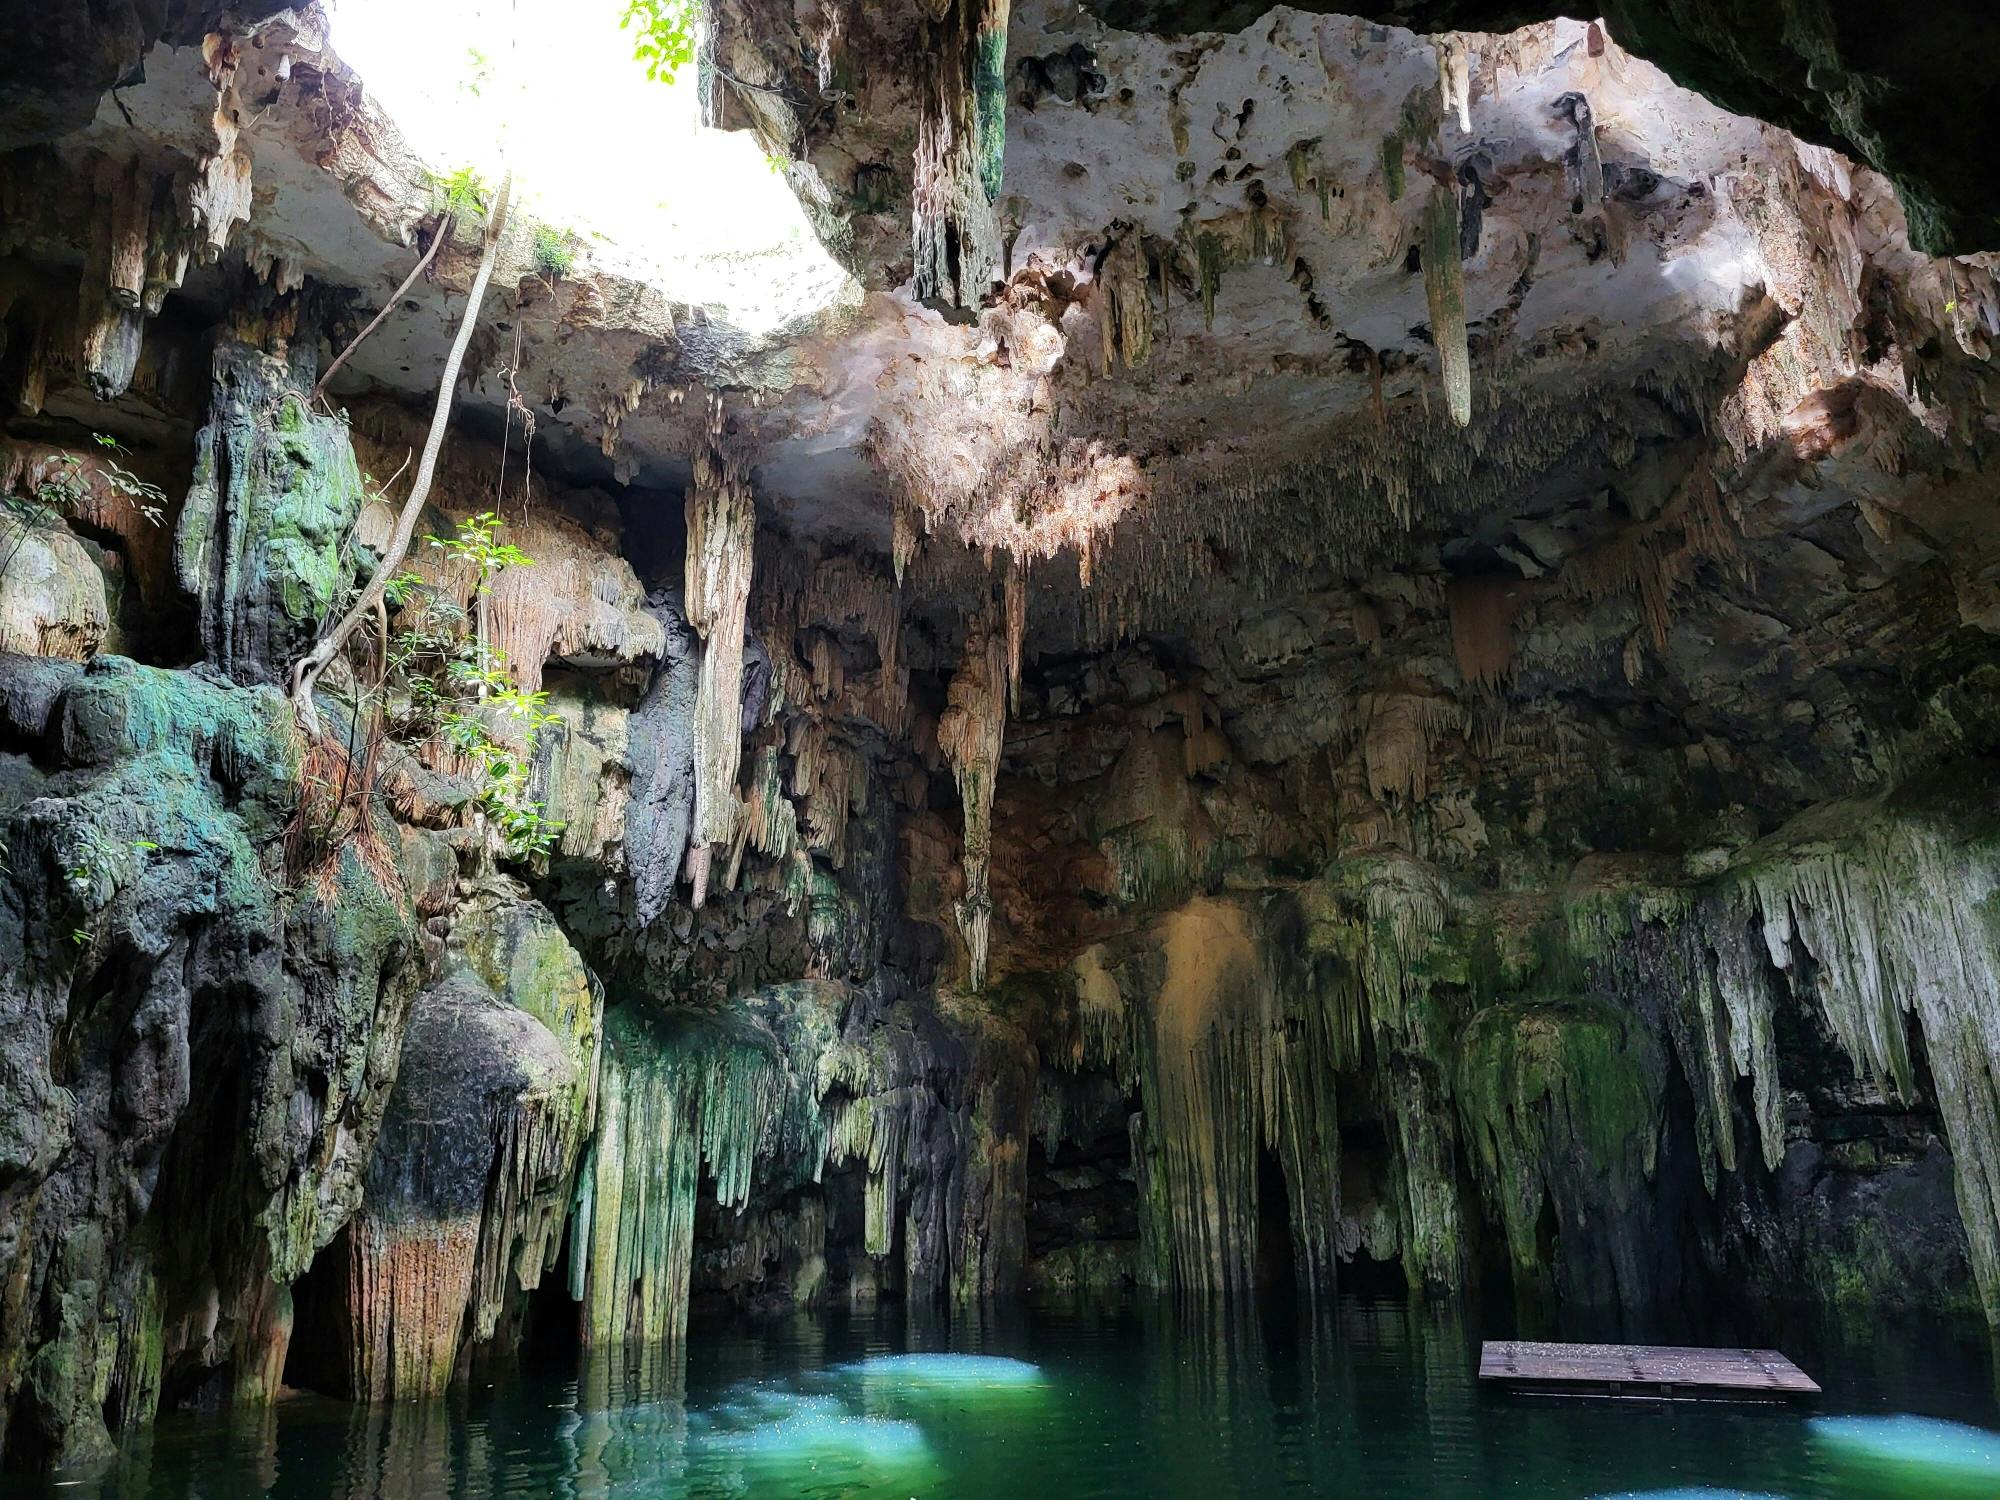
(1642, 1372)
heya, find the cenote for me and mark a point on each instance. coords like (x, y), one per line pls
(940, 748)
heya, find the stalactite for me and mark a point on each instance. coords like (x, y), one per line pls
(1393, 178)
(406, 1296)
(1444, 290)
(721, 528)
(1307, 171)
(111, 324)
(1399, 728)
(961, 142)
(906, 529)
(1454, 63)
(1124, 304)
(659, 815)
(1583, 163)
(1649, 561)
(1203, 744)
(970, 734)
(1160, 841)
(1016, 610)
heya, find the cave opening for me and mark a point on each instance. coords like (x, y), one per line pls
(1082, 1209)
(1277, 1270)
(485, 88)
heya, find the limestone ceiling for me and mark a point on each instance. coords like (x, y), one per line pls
(1215, 306)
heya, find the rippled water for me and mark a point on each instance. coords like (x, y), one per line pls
(1367, 1399)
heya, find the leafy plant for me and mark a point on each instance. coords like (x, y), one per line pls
(555, 251)
(666, 35)
(503, 770)
(143, 495)
(475, 542)
(456, 684)
(479, 72)
(461, 194)
(63, 492)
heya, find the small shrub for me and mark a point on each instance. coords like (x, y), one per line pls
(555, 252)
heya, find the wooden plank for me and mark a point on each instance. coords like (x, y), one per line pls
(1642, 1369)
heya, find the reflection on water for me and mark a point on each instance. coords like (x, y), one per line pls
(1362, 1398)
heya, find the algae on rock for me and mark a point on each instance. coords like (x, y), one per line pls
(231, 1046)
(263, 543)
(1564, 1104)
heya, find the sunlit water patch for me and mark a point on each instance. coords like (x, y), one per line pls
(956, 1373)
(1909, 1455)
(777, 1441)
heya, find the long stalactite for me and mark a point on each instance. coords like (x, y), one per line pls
(970, 734)
(721, 553)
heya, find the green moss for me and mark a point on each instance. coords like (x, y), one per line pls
(989, 89)
(1558, 1097)
(1392, 166)
(263, 542)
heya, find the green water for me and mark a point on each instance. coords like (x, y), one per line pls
(1368, 1398)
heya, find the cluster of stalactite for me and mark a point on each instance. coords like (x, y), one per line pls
(721, 552)
(680, 1096)
(961, 65)
(144, 224)
(1562, 1102)
(1877, 913)
(1365, 486)
(1870, 914)
(1234, 1034)
(748, 1109)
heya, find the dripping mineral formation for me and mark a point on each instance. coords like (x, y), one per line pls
(1326, 653)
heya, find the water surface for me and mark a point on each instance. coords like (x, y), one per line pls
(1366, 1398)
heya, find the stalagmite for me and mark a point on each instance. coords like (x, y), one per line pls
(970, 734)
(721, 532)
(961, 143)
(1444, 290)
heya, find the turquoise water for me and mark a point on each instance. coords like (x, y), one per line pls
(1367, 1399)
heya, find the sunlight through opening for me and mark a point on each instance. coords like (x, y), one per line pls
(598, 148)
